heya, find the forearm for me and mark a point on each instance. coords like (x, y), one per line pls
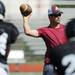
(27, 29)
(26, 25)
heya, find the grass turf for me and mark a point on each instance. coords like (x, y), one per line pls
(22, 73)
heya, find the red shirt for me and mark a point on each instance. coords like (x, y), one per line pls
(52, 38)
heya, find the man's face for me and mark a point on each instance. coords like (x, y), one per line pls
(55, 18)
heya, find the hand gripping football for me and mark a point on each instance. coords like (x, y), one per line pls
(25, 9)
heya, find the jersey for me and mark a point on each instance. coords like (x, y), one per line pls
(8, 35)
(52, 38)
(63, 57)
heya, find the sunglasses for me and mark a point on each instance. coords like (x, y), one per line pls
(56, 15)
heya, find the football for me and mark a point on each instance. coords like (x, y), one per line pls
(25, 9)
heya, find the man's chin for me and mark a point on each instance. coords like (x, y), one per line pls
(58, 22)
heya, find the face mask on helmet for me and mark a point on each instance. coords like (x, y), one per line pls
(2, 9)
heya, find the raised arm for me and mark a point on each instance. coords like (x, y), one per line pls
(27, 30)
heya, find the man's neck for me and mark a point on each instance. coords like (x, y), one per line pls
(54, 25)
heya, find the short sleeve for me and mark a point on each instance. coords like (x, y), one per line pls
(14, 33)
(40, 32)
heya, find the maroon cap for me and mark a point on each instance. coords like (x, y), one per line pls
(54, 10)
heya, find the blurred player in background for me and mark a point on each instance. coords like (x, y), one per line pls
(63, 56)
(53, 35)
(8, 35)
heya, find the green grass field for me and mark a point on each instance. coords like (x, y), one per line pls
(29, 73)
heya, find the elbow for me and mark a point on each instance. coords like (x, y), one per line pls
(27, 32)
